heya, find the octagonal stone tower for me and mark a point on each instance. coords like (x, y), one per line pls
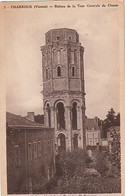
(63, 88)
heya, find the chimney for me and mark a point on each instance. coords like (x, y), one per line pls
(30, 115)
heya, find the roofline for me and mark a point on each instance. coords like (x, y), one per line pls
(29, 127)
(61, 28)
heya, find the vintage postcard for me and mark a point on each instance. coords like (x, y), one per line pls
(62, 98)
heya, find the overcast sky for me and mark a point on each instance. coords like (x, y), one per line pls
(25, 33)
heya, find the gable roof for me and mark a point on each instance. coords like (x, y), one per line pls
(91, 124)
(17, 120)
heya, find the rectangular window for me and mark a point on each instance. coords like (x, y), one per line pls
(29, 152)
(91, 142)
(96, 135)
(96, 141)
(39, 148)
(90, 135)
(35, 150)
(17, 158)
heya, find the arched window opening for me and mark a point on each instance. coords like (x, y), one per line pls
(75, 141)
(58, 71)
(74, 116)
(49, 115)
(61, 143)
(60, 116)
(46, 74)
(57, 37)
(70, 38)
(73, 71)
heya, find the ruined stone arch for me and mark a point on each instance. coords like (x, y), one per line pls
(47, 109)
(61, 142)
(74, 113)
(60, 100)
(62, 133)
(77, 101)
(76, 132)
(46, 102)
(60, 114)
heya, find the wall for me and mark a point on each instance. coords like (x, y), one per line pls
(30, 175)
(93, 137)
(62, 49)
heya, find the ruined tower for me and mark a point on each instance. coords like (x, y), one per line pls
(63, 87)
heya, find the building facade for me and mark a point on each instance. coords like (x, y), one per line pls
(93, 132)
(63, 87)
(30, 155)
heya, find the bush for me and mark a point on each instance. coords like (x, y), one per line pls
(88, 185)
(102, 185)
(115, 156)
(70, 185)
(101, 163)
(71, 178)
(70, 164)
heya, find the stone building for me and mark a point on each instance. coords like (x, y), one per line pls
(30, 155)
(93, 132)
(63, 87)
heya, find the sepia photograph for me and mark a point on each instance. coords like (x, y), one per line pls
(63, 127)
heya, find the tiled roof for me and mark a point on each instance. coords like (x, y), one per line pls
(91, 124)
(17, 120)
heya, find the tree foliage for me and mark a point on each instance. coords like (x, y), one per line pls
(112, 124)
(101, 163)
(116, 150)
(73, 179)
(39, 118)
(112, 119)
(71, 163)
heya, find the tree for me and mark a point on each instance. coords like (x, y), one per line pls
(117, 120)
(39, 118)
(112, 124)
(111, 120)
(116, 151)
